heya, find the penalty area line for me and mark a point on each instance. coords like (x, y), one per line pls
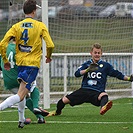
(87, 122)
(75, 122)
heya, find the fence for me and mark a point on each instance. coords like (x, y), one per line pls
(63, 66)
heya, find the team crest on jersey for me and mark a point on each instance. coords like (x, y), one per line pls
(101, 65)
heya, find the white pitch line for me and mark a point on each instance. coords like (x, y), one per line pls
(78, 106)
(75, 122)
(87, 122)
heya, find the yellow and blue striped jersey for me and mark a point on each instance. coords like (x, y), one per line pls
(28, 34)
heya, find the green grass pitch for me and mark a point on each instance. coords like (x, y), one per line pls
(84, 118)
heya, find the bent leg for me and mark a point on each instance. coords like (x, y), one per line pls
(23, 91)
(32, 102)
(61, 104)
(9, 102)
(103, 97)
(105, 104)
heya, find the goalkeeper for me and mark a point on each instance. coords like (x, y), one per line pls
(94, 72)
(11, 84)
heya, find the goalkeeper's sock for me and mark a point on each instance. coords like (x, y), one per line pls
(10, 101)
(104, 100)
(60, 106)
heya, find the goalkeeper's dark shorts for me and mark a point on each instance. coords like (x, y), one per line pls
(81, 96)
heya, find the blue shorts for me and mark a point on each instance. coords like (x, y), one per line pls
(27, 74)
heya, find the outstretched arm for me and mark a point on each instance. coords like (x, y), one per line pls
(129, 78)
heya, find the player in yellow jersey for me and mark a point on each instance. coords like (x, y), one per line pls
(28, 34)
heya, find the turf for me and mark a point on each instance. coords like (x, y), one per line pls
(84, 118)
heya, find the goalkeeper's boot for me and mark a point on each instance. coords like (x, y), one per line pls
(40, 120)
(27, 121)
(54, 113)
(106, 107)
(40, 111)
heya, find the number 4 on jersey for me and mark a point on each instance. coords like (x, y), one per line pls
(10, 58)
(25, 36)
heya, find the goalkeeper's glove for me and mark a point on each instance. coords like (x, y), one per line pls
(92, 67)
(130, 78)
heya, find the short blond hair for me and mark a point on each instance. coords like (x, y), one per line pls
(97, 46)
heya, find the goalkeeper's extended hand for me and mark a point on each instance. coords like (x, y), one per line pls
(92, 67)
(131, 78)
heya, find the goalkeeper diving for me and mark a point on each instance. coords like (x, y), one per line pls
(94, 72)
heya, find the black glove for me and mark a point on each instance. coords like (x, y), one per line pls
(92, 67)
(131, 78)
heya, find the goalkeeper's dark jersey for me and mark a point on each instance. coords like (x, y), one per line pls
(10, 77)
(96, 80)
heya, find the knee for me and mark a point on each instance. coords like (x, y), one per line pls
(101, 95)
(27, 96)
(21, 97)
(65, 100)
